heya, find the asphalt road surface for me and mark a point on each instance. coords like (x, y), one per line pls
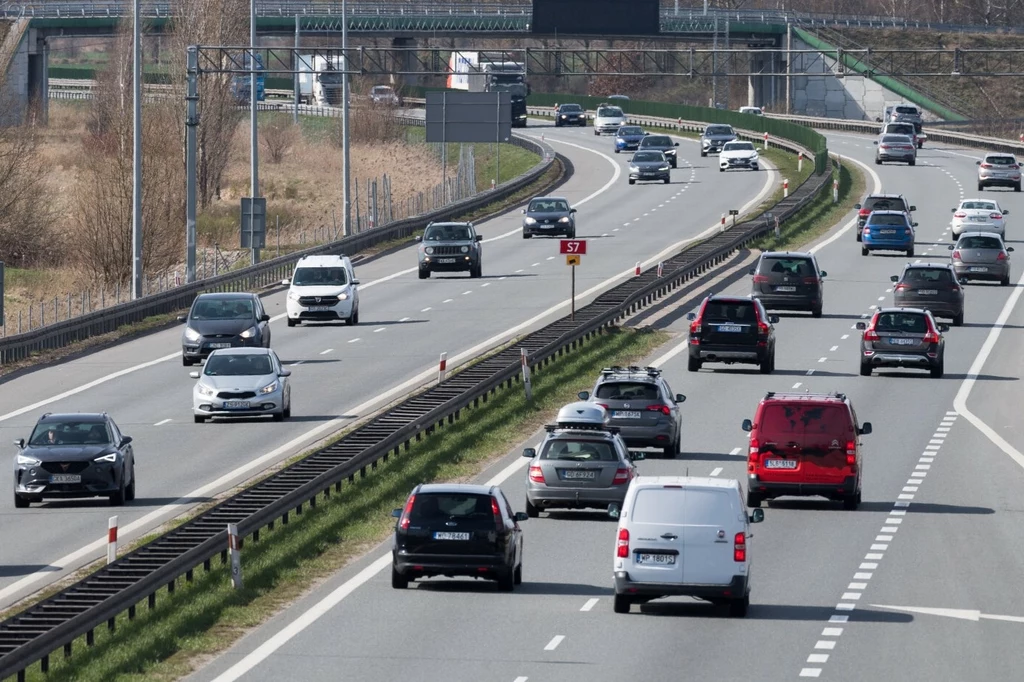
(341, 373)
(939, 527)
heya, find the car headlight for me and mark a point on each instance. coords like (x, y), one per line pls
(293, 295)
(619, 140)
(191, 334)
(634, 169)
(269, 388)
(564, 220)
(205, 390)
(112, 457)
(753, 157)
(249, 333)
(563, 115)
(429, 250)
(342, 297)
(664, 168)
(25, 460)
(464, 249)
(530, 221)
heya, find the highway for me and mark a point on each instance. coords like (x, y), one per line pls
(342, 373)
(939, 527)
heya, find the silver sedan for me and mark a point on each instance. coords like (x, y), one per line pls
(242, 382)
(981, 255)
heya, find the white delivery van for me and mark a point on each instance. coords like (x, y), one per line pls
(683, 536)
(322, 289)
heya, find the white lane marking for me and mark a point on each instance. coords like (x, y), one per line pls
(404, 319)
(839, 619)
(161, 422)
(857, 586)
(888, 291)
(853, 221)
(604, 234)
(551, 258)
(890, 529)
(555, 641)
(485, 284)
(615, 230)
(503, 277)
(869, 565)
(883, 538)
(817, 658)
(881, 298)
(466, 293)
(881, 547)
(810, 672)
(833, 349)
(625, 224)
(535, 265)
(518, 271)
(844, 337)
(645, 215)
(448, 300)
(895, 521)
(521, 679)
(716, 471)
(734, 451)
(828, 644)
(325, 352)
(862, 576)
(299, 362)
(942, 430)
(798, 384)
(851, 596)
(845, 607)
(427, 309)
(923, 466)
(379, 329)
(822, 359)
(831, 632)
(591, 603)
(810, 372)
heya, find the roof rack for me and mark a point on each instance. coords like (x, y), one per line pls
(632, 369)
(784, 394)
(582, 426)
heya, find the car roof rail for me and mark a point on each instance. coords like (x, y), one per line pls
(580, 426)
(790, 394)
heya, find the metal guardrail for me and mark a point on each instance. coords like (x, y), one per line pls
(56, 622)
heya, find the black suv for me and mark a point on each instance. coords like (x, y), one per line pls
(223, 320)
(660, 143)
(932, 286)
(787, 280)
(570, 115)
(732, 329)
(880, 202)
(457, 529)
(902, 337)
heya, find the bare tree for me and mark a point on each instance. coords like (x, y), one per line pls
(277, 136)
(26, 234)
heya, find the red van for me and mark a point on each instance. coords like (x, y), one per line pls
(805, 444)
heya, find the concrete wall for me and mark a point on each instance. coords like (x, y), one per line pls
(14, 86)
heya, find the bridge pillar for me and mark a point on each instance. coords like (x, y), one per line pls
(39, 75)
(767, 87)
(407, 62)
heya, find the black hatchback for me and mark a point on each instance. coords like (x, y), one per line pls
(223, 320)
(732, 329)
(785, 280)
(932, 286)
(455, 529)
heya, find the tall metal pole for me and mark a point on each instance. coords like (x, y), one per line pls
(136, 152)
(789, 66)
(296, 60)
(254, 150)
(346, 186)
(191, 123)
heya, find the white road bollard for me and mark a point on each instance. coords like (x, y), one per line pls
(778, 228)
(492, 183)
(235, 550)
(111, 539)
(766, 140)
(800, 162)
(661, 269)
(442, 368)
(785, 188)
(835, 191)
(527, 383)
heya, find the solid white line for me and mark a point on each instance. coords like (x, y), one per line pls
(716, 471)
(555, 641)
(325, 352)
(591, 603)
(162, 422)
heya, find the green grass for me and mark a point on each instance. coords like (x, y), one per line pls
(207, 616)
(509, 161)
(786, 164)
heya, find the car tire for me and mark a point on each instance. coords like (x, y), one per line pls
(1005, 281)
(703, 153)
(532, 510)
(865, 369)
(621, 604)
(858, 234)
(738, 607)
(476, 272)
(21, 502)
(632, 181)
(595, 132)
(198, 419)
(674, 165)
(755, 167)
(117, 499)
(912, 162)
(938, 370)
(616, 151)
(920, 145)
(129, 492)
(353, 319)
(878, 161)
(910, 253)
(816, 311)
(517, 575)
(863, 250)
(186, 362)
(851, 502)
(288, 410)
(1016, 188)
(958, 320)
(571, 234)
(291, 322)
(766, 364)
(981, 186)
(754, 501)
(507, 580)
(721, 170)
(694, 364)
(526, 235)
(667, 181)
(398, 581)
(424, 274)
(279, 416)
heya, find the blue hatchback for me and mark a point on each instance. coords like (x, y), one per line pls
(628, 138)
(888, 231)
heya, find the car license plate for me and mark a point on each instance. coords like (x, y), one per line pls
(780, 464)
(903, 342)
(928, 292)
(977, 269)
(445, 260)
(236, 404)
(626, 414)
(662, 559)
(732, 328)
(445, 535)
(785, 289)
(219, 345)
(977, 218)
(318, 308)
(66, 478)
(887, 232)
(579, 474)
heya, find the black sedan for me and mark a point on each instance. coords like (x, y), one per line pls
(455, 529)
(648, 167)
(549, 216)
(570, 115)
(72, 456)
(902, 337)
(223, 320)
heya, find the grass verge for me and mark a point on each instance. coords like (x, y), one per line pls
(787, 165)
(207, 615)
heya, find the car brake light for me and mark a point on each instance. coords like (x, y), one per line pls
(496, 510)
(536, 474)
(762, 327)
(959, 214)
(1001, 256)
(404, 521)
(870, 334)
(603, 405)
(995, 216)
(760, 279)
(851, 450)
(883, 146)
(664, 409)
(864, 212)
(1014, 167)
(622, 547)
(932, 337)
(956, 254)
(810, 280)
(986, 165)
(902, 286)
(739, 550)
(622, 476)
(851, 460)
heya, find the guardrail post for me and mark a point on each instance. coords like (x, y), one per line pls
(235, 549)
(111, 539)
(442, 368)
(527, 384)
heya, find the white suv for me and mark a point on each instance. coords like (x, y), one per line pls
(683, 536)
(323, 288)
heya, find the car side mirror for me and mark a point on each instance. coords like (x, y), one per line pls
(753, 271)
(418, 238)
(396, 513)
(894, 278)
(677, 144)
(1006, 211)
(913, 208)
(865, 428)
(182, 318)
(874, 142)
(522, 516)
(691, 316)
(747, 425)
(861, 326)
(523, 211)
(126, 440)
(757, 516)
(637, 455)
(264, 318)
(284, 373)
(1009, 249)
(614, 511)
(286, 282)
(824, 274)
(857, 206)
(878, 120)
(193, 375)
(943, 328)
(355, 282)
(583, 395)
(479, 238)
(951, 247)
(529, 452)
(573, 210)
(914, 224)
(680, 398)
(20, 443)
(773, 319)
(977, 163)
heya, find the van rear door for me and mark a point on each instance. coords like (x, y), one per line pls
(711, 523)
(656, 535)
(804, 443)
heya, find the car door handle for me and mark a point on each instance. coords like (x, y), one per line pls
(669, 536)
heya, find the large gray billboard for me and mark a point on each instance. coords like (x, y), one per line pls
(454, 116)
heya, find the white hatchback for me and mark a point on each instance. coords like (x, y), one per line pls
(608, 119)
(683, 536)
(978, 215)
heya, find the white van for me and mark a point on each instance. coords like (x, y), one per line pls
(683, 536)
(322, 288)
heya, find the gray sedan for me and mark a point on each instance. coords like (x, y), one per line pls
(549, 216)
(648, 166)
(981, 255)
(242, 382)
(896, 148)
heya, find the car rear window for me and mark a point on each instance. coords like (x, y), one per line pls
(979, 205)
(788, 420)
(979, 243)
(937, 275)
(436, 507)
(800, 267)
(656, 141)
(888, 220)
(1001, 160)
(730, 311)
(884, 204)
(912, 323)
(580, 451)
(627, 390)
(906, 110)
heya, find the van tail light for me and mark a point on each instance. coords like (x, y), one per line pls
(760, 279)
(499, 522)
(664, 409)
(536, 474)
(753, 455)
(995, 216)
(956, 254)
(403, 522)
(1001, 256)
(622, 546)
(739, 550)
(851, 450)
(851, 460)
(960, 214)
(622, 476)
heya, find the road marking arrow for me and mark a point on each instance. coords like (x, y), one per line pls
(962, 614)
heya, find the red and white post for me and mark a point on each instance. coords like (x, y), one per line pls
(661, 269)
(636, 270)
(442, 368)
(766, 140)
(235, 550)
(800, 162)
(1022, 138)
(785, 188)
(723, 221)
(835, 190)
(111, 539)
(527, 383)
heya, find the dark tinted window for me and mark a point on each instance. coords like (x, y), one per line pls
(897, 139)
(548, 206)
(441, 233)
(782, 420)
(912, 323)
(627, 390)
(800, 267)
(609, 112)
(900, 128)
(906, 110)
(979, 243)
(730, 311)
(571, 108)
(70, 433)
(883, 204)
(656, 141)
(648, 156)
(222, 309)
(922, 275)
(438, 507)
(1001, 160)
(580, 451)
(718, 130)
(887, 220)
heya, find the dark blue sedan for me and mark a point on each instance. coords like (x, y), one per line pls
(628, 138)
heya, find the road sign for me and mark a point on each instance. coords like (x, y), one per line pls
(734, 211)
(254, 223)
(577, 246)
(572, 260)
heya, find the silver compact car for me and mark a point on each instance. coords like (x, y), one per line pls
(242, 382)
(895, 148)
(549, 216)
(999, 170)
(981, 255)
(581, 464)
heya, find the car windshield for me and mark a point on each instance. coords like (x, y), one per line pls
(913, 323)
(580, 451)
(928, 276)
(627, 390)
(570, 108)
(718, 130)
(609, 112)
(897, 139)
(648, 156)
(799, 267)
(656, 141)
(71, 433)
(738, 147)
(437, 508)
(979, 205)
(631, 130)
(447, 233)
(884, 204)
(888, 219)
(906, 110)
(320, 277)
(1001, 160)
(548, 206)
(238, 365)
(979, 242)
(730, 311)
(222, 309)
(381, 90)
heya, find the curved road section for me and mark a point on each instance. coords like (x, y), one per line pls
(925, 571)
(340, 373)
